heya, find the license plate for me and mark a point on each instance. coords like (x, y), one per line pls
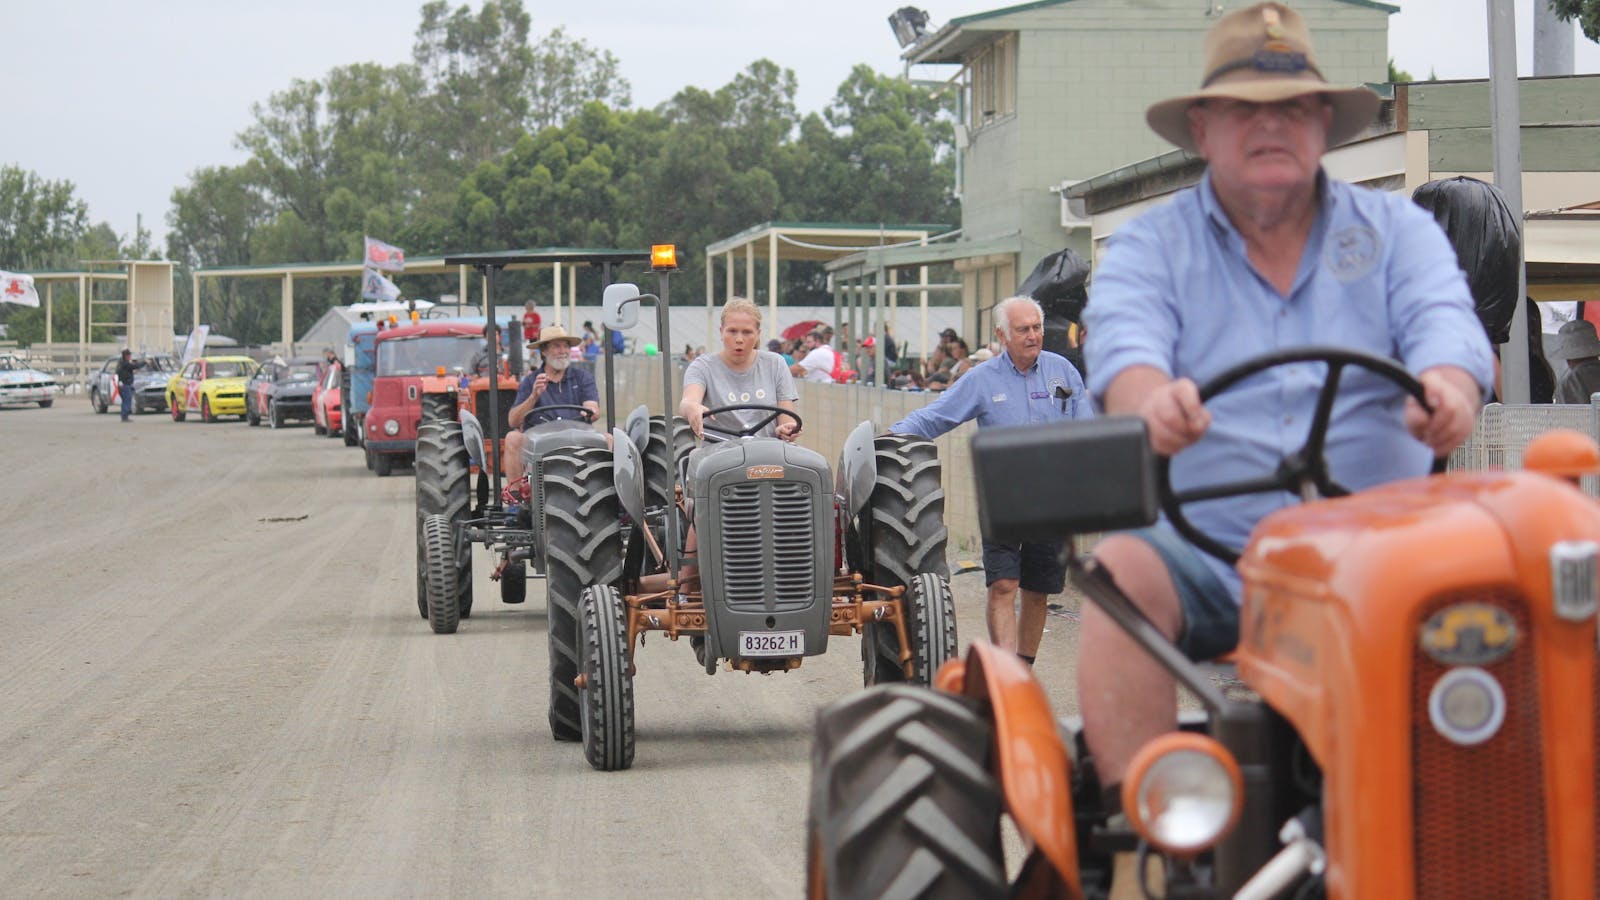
(772, 643)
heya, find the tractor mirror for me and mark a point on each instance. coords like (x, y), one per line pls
(620, 306)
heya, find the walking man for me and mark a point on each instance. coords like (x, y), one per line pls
(1024, 384)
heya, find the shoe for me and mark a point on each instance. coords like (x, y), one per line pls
(515, 493)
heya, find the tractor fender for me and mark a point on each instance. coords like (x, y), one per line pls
(1035, 770)
(627, 466)
(858, 469)
(472, 436)
(637, 425)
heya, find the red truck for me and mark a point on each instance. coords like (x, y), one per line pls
(434, 358)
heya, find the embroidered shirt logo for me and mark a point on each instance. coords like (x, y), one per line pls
(997, 398)
(1351, 252)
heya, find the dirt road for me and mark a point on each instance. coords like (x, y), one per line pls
(215, 681)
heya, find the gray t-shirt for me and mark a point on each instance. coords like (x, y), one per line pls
(766, 382)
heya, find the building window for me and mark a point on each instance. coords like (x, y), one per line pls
(992, 82)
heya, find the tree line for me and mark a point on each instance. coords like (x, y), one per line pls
(491, 139)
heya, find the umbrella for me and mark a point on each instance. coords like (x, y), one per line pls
(799, 330)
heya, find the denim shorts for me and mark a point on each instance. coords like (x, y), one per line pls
(1036, 565)
(1210, 617)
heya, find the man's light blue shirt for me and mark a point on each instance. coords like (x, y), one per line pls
(996, 392)
(1176, 291)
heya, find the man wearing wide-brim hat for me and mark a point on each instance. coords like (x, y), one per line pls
(554, 383)
(1266, 252)
(1581, 349)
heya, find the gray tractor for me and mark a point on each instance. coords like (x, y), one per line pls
(790, 553)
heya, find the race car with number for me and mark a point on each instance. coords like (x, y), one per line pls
(280, 391)
(211, 386)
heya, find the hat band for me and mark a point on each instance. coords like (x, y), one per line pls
(1277, 62)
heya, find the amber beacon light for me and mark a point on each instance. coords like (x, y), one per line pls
(663, 257)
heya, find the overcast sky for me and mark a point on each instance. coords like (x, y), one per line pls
(125, 100)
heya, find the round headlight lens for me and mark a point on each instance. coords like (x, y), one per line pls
(391, 427)
(1467, 706)
(1186, 800)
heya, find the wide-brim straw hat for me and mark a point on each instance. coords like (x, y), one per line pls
(556, 333)
(1263, 54)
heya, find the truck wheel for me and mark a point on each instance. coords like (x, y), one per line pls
(605, 701)
(660, 471)
(98, 402)
(439, 544)
(178, 414)
(382, 464)
(904, 801)
(583, 547)
(906, 530)
(46, 404)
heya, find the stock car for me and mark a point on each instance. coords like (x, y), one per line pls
(280, 391)
(326, 416)
(212, 386)
(149, 384)
(21, 385)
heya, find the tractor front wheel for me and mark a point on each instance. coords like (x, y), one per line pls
(444, 613)
(904, 800)
(605, 699)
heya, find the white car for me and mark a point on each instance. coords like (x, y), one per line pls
(20, 385)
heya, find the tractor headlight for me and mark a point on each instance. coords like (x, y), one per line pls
(1467, 706)
(1183, 793)
(391, 427)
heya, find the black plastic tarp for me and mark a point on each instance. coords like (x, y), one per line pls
(1480, 226)
(1060, 284)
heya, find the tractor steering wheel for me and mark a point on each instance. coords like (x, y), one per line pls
(1301, 472)
(749, 430)
(584, 412)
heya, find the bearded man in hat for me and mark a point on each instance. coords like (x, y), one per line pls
(1266, 253)
(554, 383)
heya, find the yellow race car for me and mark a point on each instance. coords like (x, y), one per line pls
(211, 386)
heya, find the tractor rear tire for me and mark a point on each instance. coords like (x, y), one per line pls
(605, 701)
(514, 583)
(904, 520)
(444, 487)
(444, 612)
(660, 472)
(438, 408)
(583, 548)
(904, 800)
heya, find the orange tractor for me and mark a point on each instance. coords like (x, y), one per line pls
(1415, 713)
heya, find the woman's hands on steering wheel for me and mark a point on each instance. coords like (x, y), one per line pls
(787, 430)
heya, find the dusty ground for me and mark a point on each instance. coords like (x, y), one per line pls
(215, 682)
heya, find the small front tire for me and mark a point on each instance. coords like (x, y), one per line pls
(444, 611)
(605, 695)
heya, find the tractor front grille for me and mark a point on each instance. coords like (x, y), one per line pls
(773, 567)
(1480, 813)
(498, 428)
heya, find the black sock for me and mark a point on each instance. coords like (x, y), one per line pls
(1026, 659)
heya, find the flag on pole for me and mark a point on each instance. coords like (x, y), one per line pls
(376, 287)
(386, 257)
(18, 289)
(195, 346)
